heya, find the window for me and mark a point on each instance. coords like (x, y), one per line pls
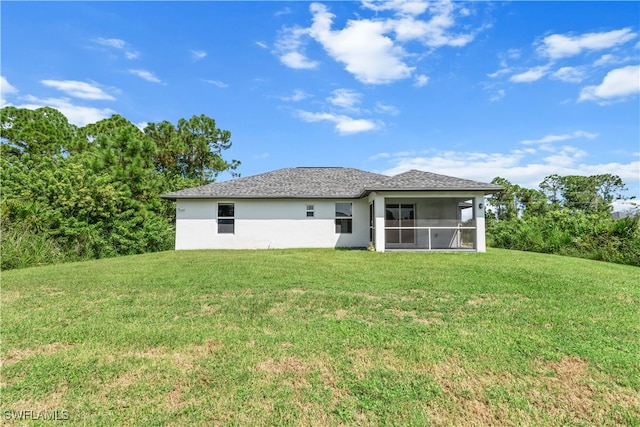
(310, 211)
(344, 218)
(226, 221)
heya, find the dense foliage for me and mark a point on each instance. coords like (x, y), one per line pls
(78, 193)
(569, 215)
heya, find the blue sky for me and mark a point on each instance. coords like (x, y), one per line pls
(476, 90)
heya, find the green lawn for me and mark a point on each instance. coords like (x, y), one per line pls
(323, 337)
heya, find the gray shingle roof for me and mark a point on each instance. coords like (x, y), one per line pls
(419, 180)
(317, 182)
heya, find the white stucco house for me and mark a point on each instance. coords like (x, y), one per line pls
(316, 207)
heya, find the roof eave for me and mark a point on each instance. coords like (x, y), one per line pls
(364, 193)
(278, 196)
(486, 190)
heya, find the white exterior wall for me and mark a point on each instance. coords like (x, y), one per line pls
(478, 215)
(264, 224)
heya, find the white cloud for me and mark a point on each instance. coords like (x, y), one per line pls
(618, 83)
(197, 55)
(514, 53)
(386, 109)
(435, 32)
(630, 206)
(344, 125)
(346, 99)
(147, 75)
(6, 87)
(604, 60)
(115, 43)
(367, 47)
(262, 45)
(421, 80)
(497, 96)
(284, 11)
(78, 89)
(401, 7)
(290, 49)
(298, 95)
(561, 46)
(216, 83)
(566, 157)
(500, 72)
(548, 139)
(569, 74)
(361, 46)
(298, 61)
(518, 166)
(142, 125)
(380, 156)
(118, 44)
(76, 114)
(531, 75)
(432, 33)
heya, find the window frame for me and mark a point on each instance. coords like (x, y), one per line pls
(226, 222)
(310, 210)
(343, 221)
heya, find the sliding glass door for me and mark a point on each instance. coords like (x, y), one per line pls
(400, 223)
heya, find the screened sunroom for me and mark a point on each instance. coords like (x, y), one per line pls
(427, 223)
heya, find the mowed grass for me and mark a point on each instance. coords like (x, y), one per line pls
(324, 337)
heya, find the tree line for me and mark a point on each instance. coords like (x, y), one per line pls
(72, 193)
(568, 215)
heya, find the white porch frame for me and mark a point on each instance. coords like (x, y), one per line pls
(379, 200)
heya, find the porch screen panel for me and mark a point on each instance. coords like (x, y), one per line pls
(407, 220)
(401, 217)
(392, 219)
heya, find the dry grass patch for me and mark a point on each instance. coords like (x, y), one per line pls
(16, 355)
(49, 402)
(563, 391)
(432, 319)
(302, 381)
(571, 388)
(463, 393)
(287, 365)
(482, 301)
(364, 360)
(184, 359)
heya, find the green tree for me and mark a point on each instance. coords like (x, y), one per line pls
(36, 133)
(77, 193)
(571, 215)
(515, 201)
(192, 149)
(586, 193)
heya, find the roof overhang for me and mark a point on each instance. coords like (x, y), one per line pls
(486, 190)
(364, 193)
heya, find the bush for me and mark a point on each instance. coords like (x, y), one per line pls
(593, 236)
(21, 248)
